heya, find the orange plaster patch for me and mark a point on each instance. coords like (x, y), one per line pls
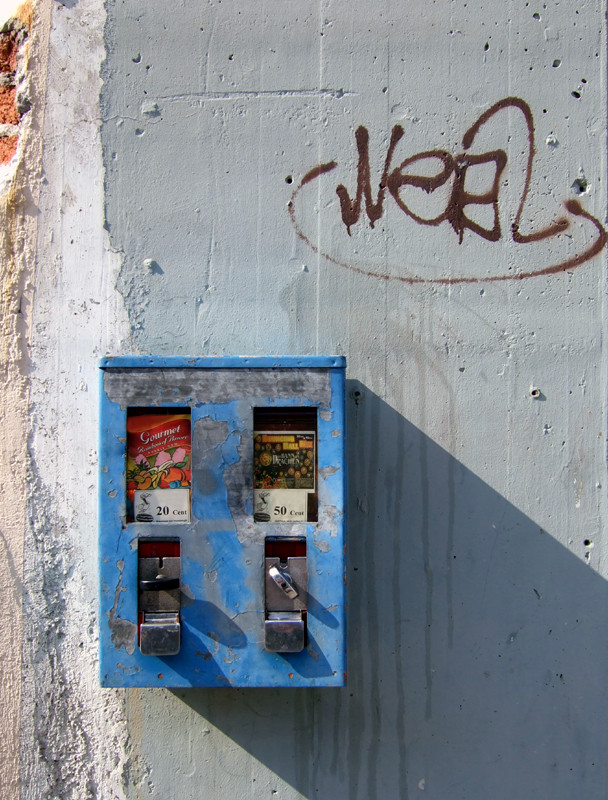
(8, 53)
(8, 110)
(8, 148)
(25, 12)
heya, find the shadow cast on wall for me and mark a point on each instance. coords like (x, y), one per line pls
(476, 644)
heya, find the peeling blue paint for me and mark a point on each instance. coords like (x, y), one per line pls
(223, 362)
(222, 548)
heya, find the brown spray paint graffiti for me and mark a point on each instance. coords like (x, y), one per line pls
(453, 168)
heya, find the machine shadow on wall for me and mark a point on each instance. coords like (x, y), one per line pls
(468, 624)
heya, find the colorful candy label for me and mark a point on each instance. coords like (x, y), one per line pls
(283, 475)
(158, 466)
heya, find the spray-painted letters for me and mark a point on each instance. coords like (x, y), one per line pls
(450, 171)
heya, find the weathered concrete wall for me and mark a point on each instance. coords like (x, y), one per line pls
(19, 182)
(74, 741)
(465, 283)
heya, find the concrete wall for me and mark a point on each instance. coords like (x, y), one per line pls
(19, 132)
(190, 203)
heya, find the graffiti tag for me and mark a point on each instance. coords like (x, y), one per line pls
(450, 168)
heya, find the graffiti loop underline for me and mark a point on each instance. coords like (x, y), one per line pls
(449, 167)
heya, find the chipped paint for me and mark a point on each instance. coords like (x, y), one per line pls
(196, 387)
(222, 548)
(124, 632)
(15, 93)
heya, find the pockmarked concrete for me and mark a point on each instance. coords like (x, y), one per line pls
(422, 189)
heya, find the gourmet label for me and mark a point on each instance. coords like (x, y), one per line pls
(158, 467)
(283, 475)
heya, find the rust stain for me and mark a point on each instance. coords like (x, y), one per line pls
(455, 168)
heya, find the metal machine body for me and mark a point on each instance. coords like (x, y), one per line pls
(221, 541)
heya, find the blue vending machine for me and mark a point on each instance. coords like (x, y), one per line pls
(221, 535)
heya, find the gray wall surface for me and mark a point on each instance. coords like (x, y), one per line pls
(467, 292)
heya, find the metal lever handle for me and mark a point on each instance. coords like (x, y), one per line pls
(283, 581)
(159, 584)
